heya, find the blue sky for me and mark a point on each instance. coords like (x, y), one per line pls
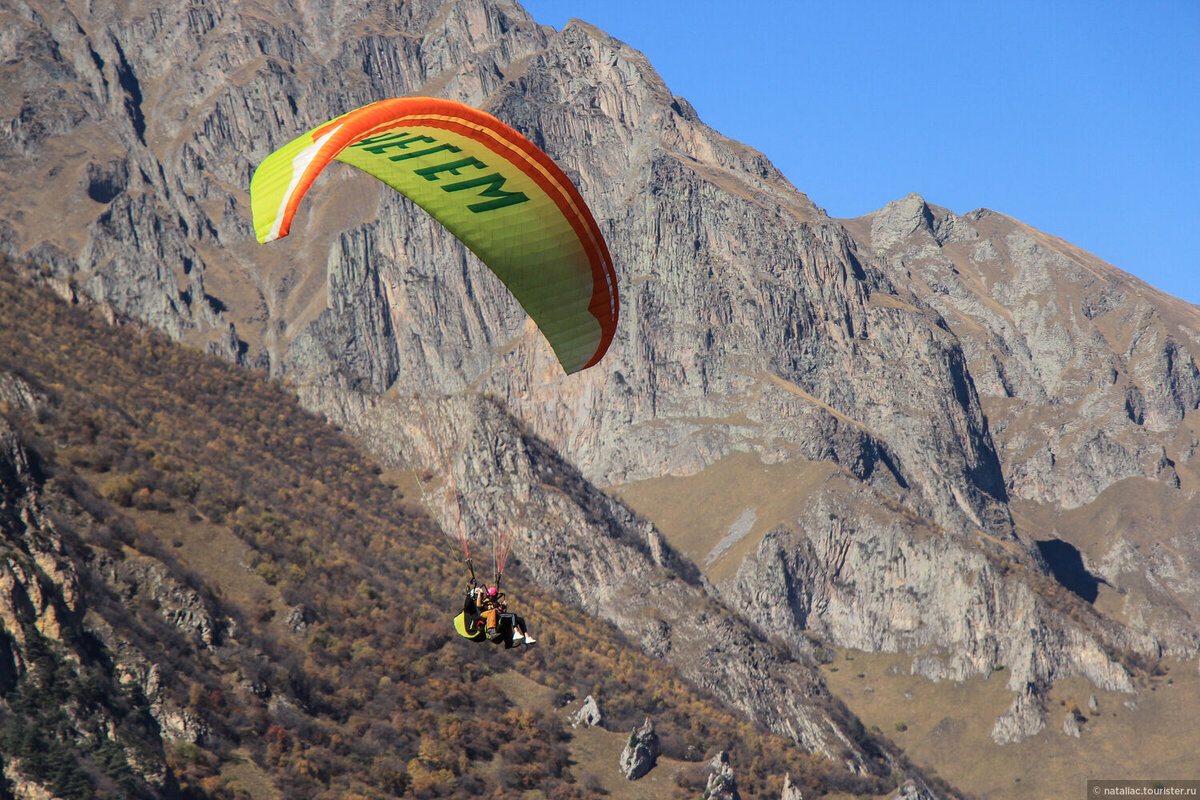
(1079, 118)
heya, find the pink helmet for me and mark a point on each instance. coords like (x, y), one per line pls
(491, 591)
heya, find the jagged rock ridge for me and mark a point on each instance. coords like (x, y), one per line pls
(1091, 385)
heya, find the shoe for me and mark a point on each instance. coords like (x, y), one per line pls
(529, 639)
(492, 634)
(517, 639)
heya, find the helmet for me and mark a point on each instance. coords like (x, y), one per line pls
(491, 591)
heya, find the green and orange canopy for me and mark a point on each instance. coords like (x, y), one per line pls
(489, 186)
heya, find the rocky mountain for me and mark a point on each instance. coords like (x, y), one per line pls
(1090, 383)
(951, 436)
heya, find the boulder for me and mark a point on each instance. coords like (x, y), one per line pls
(641, 751)
(588, 714)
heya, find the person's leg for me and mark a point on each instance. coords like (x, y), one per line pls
(505, 626)
(524, 629)
(489, 623)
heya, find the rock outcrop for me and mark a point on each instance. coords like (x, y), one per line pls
(790, 790)
(1070, 726)
(912, 791)
(721, 783)
(1024, 718)
(641, 751)
(588, 714)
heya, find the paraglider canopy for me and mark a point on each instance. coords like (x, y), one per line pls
(488, 185)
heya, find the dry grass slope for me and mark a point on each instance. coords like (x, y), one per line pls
(947, 726)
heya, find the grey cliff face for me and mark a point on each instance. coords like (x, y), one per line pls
(695, 221)
(1091, 386)
(737, 292)
(1104, 367)
(142, 220)
(883, 585)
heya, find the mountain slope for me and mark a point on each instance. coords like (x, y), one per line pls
(250, 602)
